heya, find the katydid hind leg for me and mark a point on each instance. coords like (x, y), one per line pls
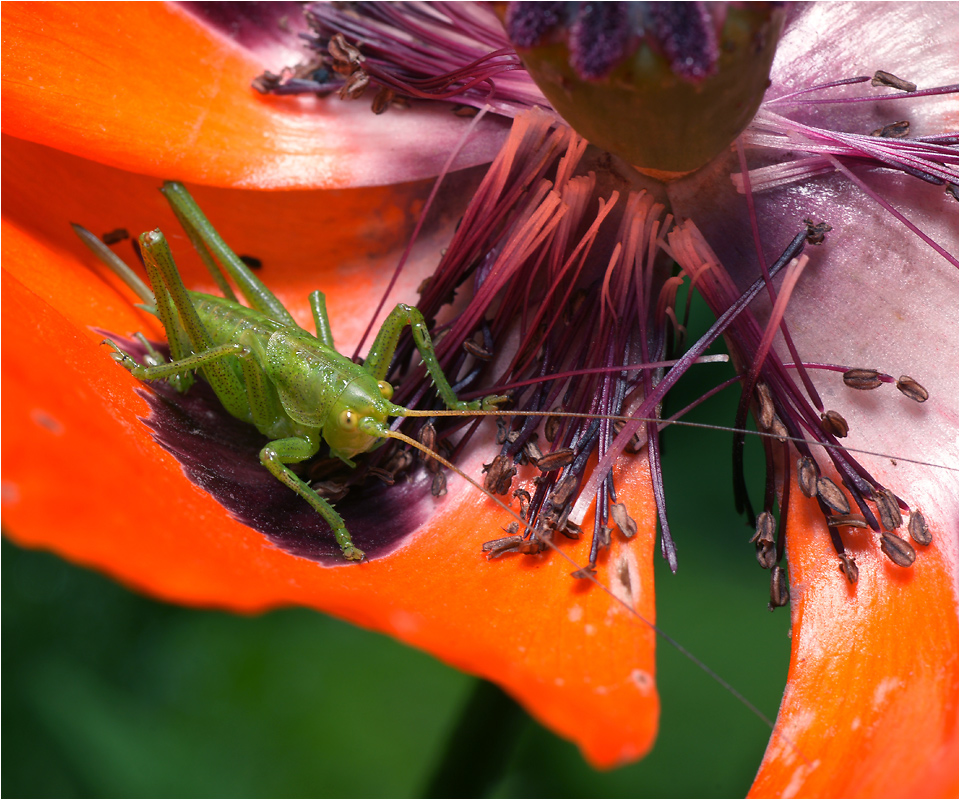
(251, 287)
(163, 271)
(276, 455)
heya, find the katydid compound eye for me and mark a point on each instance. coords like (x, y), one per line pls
(349, 419)
(386, 390)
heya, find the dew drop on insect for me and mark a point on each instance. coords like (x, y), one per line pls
(832, 496)
(862, 379)
(912, 389)
(917, 526)
(897, 550)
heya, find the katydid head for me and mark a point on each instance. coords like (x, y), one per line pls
(353, 423)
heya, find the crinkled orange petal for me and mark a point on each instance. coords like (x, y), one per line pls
(83, 477)
(147, 88)
(871, 703)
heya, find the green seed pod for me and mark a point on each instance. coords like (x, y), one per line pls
(666, 86)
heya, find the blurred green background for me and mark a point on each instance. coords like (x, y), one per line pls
(107, 693)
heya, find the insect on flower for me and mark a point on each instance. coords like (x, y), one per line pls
(776, 419)
(267, 370)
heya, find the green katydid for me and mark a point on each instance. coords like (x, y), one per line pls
(264, 368)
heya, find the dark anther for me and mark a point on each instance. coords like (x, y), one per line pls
(897, 550)
(779, 430)
(846, 521)
(765, 411)
(476, 350)
(551, 428)
(890, 516)
(912, 389)
(355, 86)
(438, 488)
(626, 524)
(385, 476)
(895, 130)
(951, 189)
(764, 539)
(555, 460)
(502, 430)
(637, 441)
(265, 83)
(428, 438)
(114, 236)
(816, 232)
(563, 491)
(919, 531)
(849, 568)
(251, 261)
(834, 424)
(531, 450)
(779, 589)
(330, 490)
(524, 497)
(832, 496)
(382, 100)
(881, 78)
(862, 378)
(465, 111)
(497, 547)
(807, 476)
(586, 572)
(346, 57)
(499, 475)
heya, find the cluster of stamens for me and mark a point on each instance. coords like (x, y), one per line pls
(401, 52)
(540, 273)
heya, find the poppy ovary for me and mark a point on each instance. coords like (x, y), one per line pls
(665, 86)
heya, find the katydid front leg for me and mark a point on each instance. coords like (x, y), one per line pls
(292, 450)
(381, 354)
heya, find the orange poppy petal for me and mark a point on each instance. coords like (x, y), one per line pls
(82, 475)
(871, 703)
(148, 88)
